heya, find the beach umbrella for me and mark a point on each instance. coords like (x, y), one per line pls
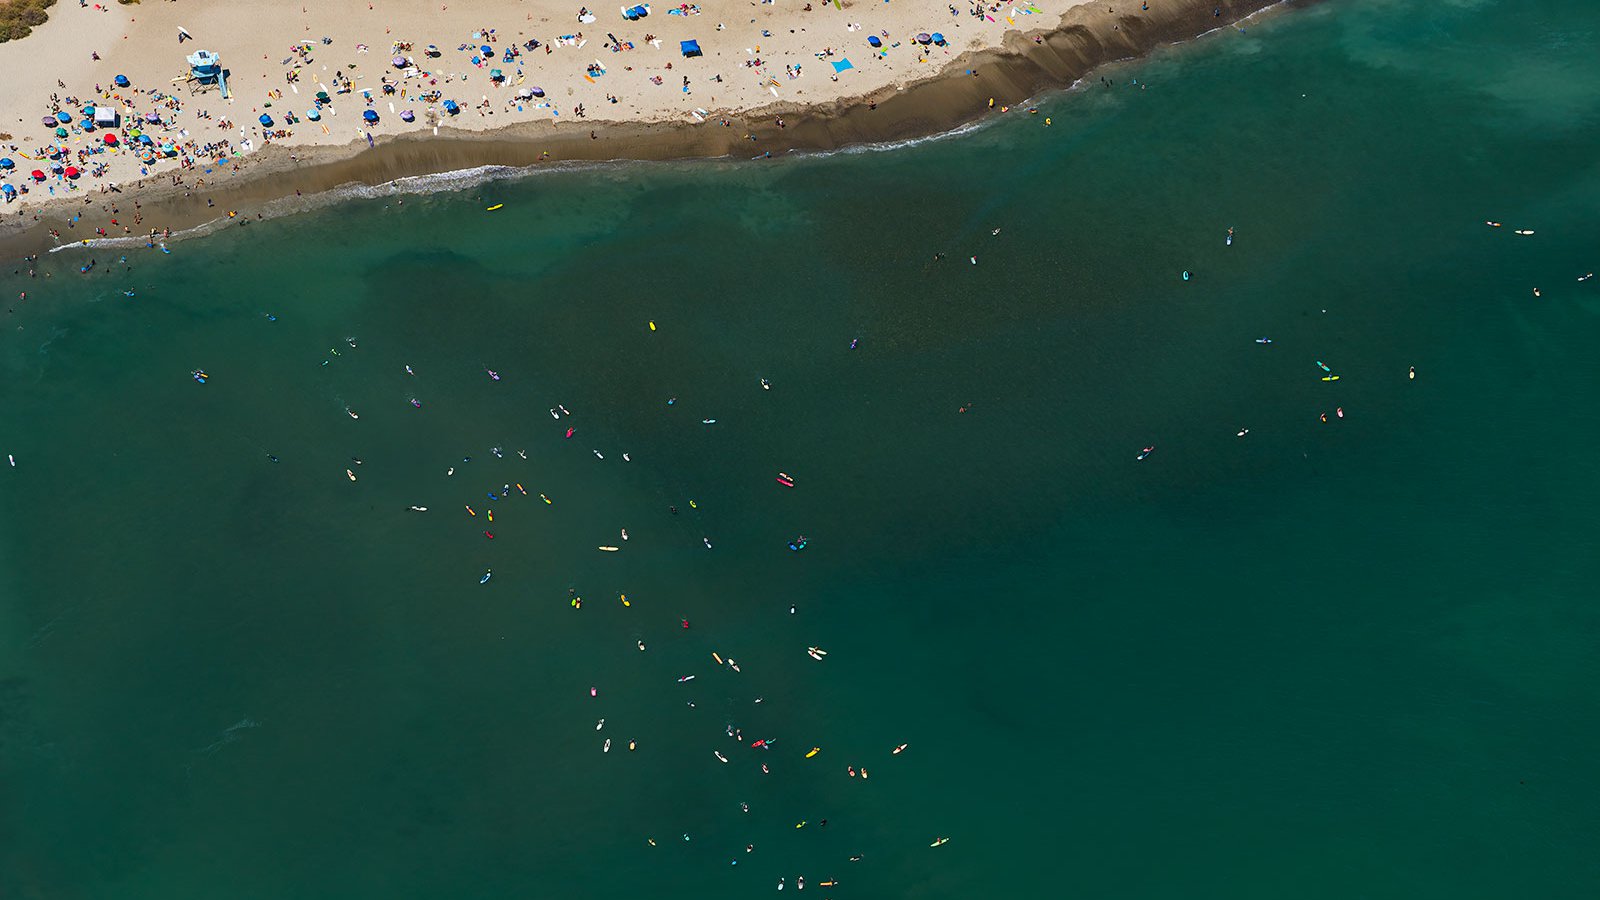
(407, 116)
(265, 120)
(55, 167)
(72, 171)
(7, 189)
(451, 107)
(312, 114)
(87, 110)
(487, 50)
(146, 140)
(370, 115)
(924, 38)
(399, 62)
(6, 163)
(525, 93)
(63, 117)
(61, 132)
(874, 41)
(322, 96)
(938, 38)
(537, 91)
(49, 120)
(432, 50)
(121, 81)
(134, 132)
(37, 175)
(152, 118)
(496, 75)
(87, 124)
(111, 140)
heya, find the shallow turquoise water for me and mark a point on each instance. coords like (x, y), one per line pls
(1331, 659)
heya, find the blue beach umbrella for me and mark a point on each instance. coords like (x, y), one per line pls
(87, 124)
(7, 163)
(63, 118)
(120, 81)
(313, 114)
(938, 38)
(486, 50)
(451, 107)
(874, 41)
(266, 120)
(370, 115)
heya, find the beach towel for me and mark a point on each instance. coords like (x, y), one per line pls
(843, 64)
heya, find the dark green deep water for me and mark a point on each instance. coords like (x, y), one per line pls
(1352, 659)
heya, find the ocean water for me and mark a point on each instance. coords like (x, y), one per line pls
(1341, 658)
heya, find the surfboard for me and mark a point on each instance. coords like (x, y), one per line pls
(607, 549)
(494, 207)
(813, 752)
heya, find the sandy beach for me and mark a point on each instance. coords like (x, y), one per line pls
(368, 92)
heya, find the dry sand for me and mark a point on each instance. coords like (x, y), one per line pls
(794, 98)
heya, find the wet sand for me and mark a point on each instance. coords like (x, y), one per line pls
(1026, 65)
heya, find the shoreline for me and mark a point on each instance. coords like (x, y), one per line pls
(1026, 64)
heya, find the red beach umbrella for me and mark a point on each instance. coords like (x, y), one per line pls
(38, 175)
(72, 171)
(111, 139)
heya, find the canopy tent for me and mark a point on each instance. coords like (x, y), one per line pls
(107, 116)
(843, 64)
(690, 48)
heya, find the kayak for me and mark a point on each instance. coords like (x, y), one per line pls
(607, 549)
(813, 752)
(785, 479)
(494, 207)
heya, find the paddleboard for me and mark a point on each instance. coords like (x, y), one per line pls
(494, 207)
(607, 549)
(813, 752)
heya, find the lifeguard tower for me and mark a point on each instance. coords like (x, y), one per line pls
(205, 68)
